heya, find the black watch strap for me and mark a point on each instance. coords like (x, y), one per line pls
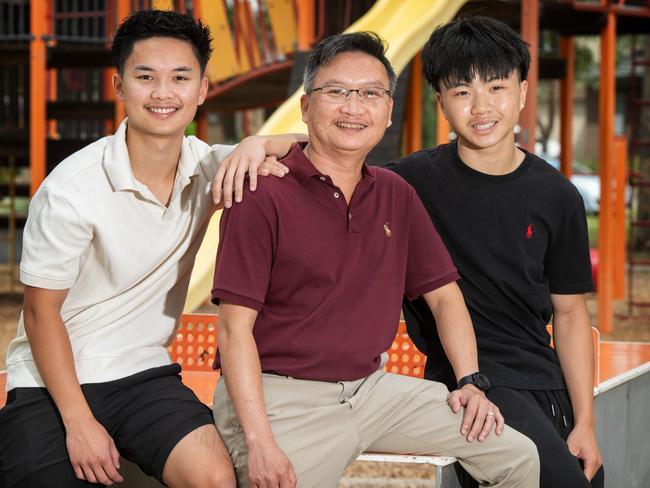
(479, 380)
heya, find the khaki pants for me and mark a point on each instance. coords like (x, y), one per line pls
(322, 427)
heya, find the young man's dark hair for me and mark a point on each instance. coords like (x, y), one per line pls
(478, 45)
(146, 24)
(365, 42)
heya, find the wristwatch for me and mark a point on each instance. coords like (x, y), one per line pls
(479, 380)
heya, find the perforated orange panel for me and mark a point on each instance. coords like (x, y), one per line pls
(403, 357)
(195, 344)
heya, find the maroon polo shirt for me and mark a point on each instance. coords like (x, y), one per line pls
(327, 278)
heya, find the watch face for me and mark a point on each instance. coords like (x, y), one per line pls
(481, 381)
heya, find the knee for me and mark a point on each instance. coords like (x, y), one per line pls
(525, 460)
(214, 479)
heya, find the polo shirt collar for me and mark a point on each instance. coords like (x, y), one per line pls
(118, 164)
(304, 170)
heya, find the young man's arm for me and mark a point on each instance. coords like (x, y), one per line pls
(253, 155)
(574, 347)
(92, 451)
(457, 337)
(268, 466)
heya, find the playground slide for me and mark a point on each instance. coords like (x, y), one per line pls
(406, 26)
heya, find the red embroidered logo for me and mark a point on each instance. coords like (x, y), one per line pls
(529, 231)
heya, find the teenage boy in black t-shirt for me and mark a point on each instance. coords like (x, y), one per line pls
(516, 230)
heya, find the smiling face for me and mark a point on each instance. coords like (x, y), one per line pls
(161, 87)
(484, 113)
(351, 127)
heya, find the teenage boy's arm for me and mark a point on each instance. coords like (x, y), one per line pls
(92, 451)
(457, 337)
(253, 155)
(574, 347)
(268, 466)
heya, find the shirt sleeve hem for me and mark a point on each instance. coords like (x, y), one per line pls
(432, 285)
(219, 294)
(37, 281)
(572, 289)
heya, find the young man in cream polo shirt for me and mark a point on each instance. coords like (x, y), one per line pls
(108, 250)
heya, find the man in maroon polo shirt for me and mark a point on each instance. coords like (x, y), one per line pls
(310, 278)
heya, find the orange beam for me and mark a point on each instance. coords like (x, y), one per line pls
(442, 126)
(530, 34)
(37, 94)
(414, 108)
(607, 110)
(306, 16)
(620, 234)
(567, 51)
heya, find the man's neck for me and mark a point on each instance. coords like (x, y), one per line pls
(154, 161)
(497, 160)
(344, 169)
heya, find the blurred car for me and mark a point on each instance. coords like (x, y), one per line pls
(584, 179)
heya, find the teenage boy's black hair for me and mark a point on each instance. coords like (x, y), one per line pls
(475, 46)
(330, 47)
(146, 24)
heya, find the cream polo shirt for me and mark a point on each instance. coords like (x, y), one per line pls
(125, 257)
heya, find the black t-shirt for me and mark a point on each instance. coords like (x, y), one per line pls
(515, 239)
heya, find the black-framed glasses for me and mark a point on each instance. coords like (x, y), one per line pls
(339, 94)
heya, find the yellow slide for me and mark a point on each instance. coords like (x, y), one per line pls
(406, 26)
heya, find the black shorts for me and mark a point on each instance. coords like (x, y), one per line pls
(146, 414)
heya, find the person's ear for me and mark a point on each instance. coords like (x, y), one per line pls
(304, 107)
(118, 86)
(523, 88)
(203, 91)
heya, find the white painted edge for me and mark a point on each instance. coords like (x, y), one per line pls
(622, 378)
(406, 458)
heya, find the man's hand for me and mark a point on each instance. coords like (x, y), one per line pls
(269, 467)
(481, 415)
(582, 444)
(92, 452)
(249, 157)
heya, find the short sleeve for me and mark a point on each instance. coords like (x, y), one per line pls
(213, 158)
(429, 265)
(55, 240)
(568, 266)
(247, 243)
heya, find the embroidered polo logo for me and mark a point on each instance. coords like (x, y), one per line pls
(529, 231)
(387, 230)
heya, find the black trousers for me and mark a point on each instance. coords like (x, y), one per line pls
(546, 418)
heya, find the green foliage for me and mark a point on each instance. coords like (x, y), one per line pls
(429, 124)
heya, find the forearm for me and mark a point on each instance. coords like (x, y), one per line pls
(240, 366)
(53, 356)
(454, 328)
(279, 145)
(573, 344)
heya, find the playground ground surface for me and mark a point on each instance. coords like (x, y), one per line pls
(628, 327)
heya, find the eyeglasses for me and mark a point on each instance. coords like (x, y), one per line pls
(338, 94)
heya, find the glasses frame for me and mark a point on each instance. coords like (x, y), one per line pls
(354, 90)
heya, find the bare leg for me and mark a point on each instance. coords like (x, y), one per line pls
(199, 460)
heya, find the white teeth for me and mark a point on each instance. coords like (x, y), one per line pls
(487, 125)
(347, 125)
(162, 110)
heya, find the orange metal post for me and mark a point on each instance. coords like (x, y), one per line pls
(414, 108)
(607, 110)
(306, 16)
(620, 234)
(567, 51)
(52, 125)
(442, 126)
(37, 94)
(202, 125)
(530, 34)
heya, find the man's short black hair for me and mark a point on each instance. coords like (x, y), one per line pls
(474, 46)
(330, 47)
(146, 24)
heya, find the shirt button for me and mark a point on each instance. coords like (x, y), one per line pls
(322, 178)
(336, 194)
(349, 216)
